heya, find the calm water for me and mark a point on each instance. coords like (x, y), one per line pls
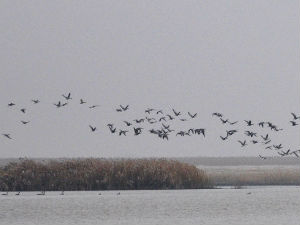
(263, 205)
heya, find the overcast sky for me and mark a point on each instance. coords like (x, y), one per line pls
(240, 58)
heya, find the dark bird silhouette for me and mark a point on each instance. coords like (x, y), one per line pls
(249, 122)
(183, 120)
(119, 110)
(224, 121)
(24, 122)
(294, 123)
(112, 130)
(110, 125)
(92, 128)
(261, 124)
(127, 123)
(267, 142)
(284, 153)
(165, 126)
(18, 193)
(82, 101)
(67, 97)
(265, 138)
(35, 101)
(123, 132)
(151, 120)
(200, 131)
(254, 141)
(232, 123)
(159, 112)
(191, 131)
(124, 108)
(192, 115)
(278, 146)
(262, 157)
(176, 113)
(11, 104)
(162, 118)
(139, 120)
(181, 133)
(230, 132)
(64, 104)
(268, 147)
(170, 117)
(58, 104)
(93, 106)
(273, 127)
(295, 117)
(23, 110)
(243, 143)
(7, 136)
(296, 153)
(148, 110)
(250, 133)
(217, 114)
(223, 138)
(137, 130)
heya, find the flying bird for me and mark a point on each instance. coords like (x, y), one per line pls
(278, 146)
(249, 122)
(243, 143)
(24, 122)
(92, 128)
(127, 123)
(176, 113)
(192, 115)
(11, 104)
(7, 136)
(23, 110)
(295, 117)
(137, 130)
(57, 104)
(170, 117)
(223, 138)
(148, 110)
(82, 101)
(67, 97)
(217, 114)
(262, 157)
(265, 137)
(93, 106)
(123, 132)
(250, 134)
(35, 101)
(124, 108)
(294, 123)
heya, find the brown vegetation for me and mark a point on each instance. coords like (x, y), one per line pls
(263, 176)
(100, 174)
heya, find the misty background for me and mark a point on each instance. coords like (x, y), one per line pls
(239, 58)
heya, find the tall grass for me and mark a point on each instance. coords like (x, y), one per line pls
(100, 174)
(263, 176)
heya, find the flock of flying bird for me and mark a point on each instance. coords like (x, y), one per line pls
(162, 121)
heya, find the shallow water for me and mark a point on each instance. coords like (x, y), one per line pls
(258, 205)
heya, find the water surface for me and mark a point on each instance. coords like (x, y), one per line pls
(259, 205)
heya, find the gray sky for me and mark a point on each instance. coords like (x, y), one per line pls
(240, 58)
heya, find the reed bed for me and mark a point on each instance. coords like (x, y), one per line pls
(262, 176)
(101, 174)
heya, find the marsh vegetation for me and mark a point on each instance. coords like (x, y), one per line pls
(101, 174)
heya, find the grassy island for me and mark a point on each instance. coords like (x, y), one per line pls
(100, 174)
